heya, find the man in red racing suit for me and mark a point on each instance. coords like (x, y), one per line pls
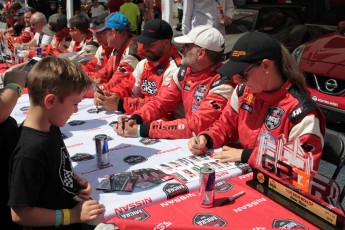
(203, 92)
(149, 76)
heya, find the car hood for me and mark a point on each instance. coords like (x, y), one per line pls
(325, 56)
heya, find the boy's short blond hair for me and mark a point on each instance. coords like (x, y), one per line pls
(56, 75)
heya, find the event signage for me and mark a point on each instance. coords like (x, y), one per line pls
(287, 169)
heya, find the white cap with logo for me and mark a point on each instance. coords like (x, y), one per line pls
(204, 36)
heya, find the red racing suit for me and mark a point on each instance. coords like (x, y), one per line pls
(119, 66)
(287, 111)
(204, 96)
(146, 81)
(98, 61)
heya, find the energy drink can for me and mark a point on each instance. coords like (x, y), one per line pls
(207, 186)
(102, 152)
(39, 52)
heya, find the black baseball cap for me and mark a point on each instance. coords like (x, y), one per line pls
(156, 29)
(251, 48)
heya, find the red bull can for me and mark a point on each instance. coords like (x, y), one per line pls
(102, 152)
(207, 186)
(39, 52)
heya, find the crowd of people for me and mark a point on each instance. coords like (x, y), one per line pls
(163, 92)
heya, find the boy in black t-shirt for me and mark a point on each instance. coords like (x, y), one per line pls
(44, 190)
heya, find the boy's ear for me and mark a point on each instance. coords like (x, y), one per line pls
(50, 100)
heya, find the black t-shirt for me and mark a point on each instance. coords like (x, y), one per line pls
(41, 173)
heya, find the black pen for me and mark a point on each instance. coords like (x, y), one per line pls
(231, 198)
(196, 138)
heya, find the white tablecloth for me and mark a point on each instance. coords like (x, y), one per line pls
(80, 140)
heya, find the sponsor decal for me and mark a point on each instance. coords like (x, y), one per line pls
(238, 53)
(182, 72)
(208, 220)
(134, 159)
(186, 87)
(149, 87)
(223, 186)
(81, 157)
(195, 107)
(287, 224)
(260, 177)
(215, 105)
(248, 98)
(200, 93)
(297, 111)
(247, 107)
(76, 122)
(175, 189)
(273, 117)
(139, 214)
(160, 69)
(24, 108)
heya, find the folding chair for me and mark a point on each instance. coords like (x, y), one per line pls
(334, 153)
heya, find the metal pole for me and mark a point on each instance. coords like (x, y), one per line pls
(69, 9)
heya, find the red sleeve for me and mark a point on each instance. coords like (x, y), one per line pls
(102, 76)
(23, 38)
(224, 129)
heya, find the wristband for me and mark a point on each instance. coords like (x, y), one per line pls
(16, 87)
(139, 131)
(57, 218)
(66, 217)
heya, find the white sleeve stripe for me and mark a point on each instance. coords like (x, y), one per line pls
(309, 125)
(234, 100)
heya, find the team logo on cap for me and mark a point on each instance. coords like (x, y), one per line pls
(237, 53)
(273, 118)
(200, 93)
(139, 214)
(208, 220)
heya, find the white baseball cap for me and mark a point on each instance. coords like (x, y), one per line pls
(204, 36)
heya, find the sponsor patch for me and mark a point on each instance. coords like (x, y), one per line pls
(81, 157)
(247, 107)
(149, 86)
(195, 107)
(215, 105)
(200, 93)
(208, 220)
(76, 122)
(174, 189)
(287, 224)
(273, 117)
(182, 72)
(186, 87)
(160, 69)
(134, 159)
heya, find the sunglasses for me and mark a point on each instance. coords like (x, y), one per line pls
(243, 76)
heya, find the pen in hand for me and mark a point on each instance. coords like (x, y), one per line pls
(231, 198)
(196, 138)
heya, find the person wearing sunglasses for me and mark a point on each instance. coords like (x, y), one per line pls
(271, 96)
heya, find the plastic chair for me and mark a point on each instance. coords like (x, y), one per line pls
(334, 153)
(334, 150)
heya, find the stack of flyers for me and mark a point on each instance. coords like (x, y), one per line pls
(187, 169)
(126, 181)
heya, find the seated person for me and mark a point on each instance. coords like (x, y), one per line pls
(203, 92)
(78, 27)
(57, 28)
(26, 34)
(153, 72)
(104, 51)
(271, 96)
